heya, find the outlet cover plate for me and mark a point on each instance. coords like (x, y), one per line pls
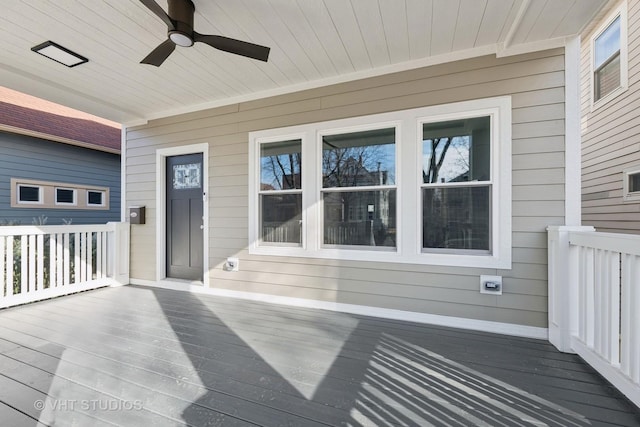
(233, 264)
(495, 279)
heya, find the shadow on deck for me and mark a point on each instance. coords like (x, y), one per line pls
(141, 356)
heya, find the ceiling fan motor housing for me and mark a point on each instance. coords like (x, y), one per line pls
(181, 12)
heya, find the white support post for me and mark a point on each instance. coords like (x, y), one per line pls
(563, 288)
(119, 252)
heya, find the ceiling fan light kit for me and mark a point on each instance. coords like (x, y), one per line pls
(180, 32)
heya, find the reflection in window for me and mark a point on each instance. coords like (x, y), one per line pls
(280, 166)
(359, 217)
(65, 196)
(359, 159)
(607, 60)
(95, 198)
(634, 182)
(456, 218)
(281, 218)
(456, 190)
(29, 194)
(281, 192)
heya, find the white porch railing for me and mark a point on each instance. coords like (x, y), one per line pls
(594, 301)
(39, 262)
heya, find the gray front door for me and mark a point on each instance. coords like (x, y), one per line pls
(185, 222)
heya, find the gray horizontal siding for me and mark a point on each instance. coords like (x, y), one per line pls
(32, 158)
(534, 81)
(610, 135)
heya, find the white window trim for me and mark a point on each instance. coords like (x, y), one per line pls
(26, 202)
(620, 11)
(628, 196)
(75, 196)
(104, 195)
(408, 182)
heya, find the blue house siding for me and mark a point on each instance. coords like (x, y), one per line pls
(31, 158)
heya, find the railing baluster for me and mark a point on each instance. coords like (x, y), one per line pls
(53, 252)
(89, 256)
(3, 264)
(24, 264)
(10, 244)
(32, 263)
(613, 318)
(582, 297)
(590, 286)
(98, 255)
(39, 262)
(597, 307)
(59, 259)
(67, 259)
(76, 257)
(626, 315)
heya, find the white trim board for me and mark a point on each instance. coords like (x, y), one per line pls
(363, 310)
(500, 50)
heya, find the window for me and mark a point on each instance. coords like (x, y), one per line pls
(281, 192)
(65, 196)
(35, 194)
(428, 185)
(95, 198)
(358, 175)
(456, 185)
(631, 185)
(609, 53)
(29, 194)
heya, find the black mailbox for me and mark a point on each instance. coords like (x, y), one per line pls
(136, 214)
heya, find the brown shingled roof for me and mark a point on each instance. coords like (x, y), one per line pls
(60, 128)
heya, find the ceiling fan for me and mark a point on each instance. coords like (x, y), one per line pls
(179, 22)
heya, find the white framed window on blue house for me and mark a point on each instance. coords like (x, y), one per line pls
(428, 185)
(96, 198)
(609, 57)
(66, 196)
(29, 194)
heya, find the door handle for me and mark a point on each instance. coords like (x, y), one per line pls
(202, 227)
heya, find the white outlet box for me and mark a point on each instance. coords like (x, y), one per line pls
(491, 285)
(233, 264)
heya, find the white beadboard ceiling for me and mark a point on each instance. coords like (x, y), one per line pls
(313, 43)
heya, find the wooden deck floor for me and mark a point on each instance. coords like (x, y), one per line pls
(137, 356)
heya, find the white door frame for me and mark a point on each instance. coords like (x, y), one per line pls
(161, 214)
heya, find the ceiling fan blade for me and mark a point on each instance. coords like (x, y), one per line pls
(160, 53)
(160, 13)
(238, 47)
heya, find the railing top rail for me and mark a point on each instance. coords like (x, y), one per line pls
(617, 242)
(21, 230)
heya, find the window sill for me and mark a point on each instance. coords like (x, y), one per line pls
(447, 260)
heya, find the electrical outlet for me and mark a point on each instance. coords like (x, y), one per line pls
(233, 264)
(491, 285)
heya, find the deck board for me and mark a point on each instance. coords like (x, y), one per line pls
(162, 357)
